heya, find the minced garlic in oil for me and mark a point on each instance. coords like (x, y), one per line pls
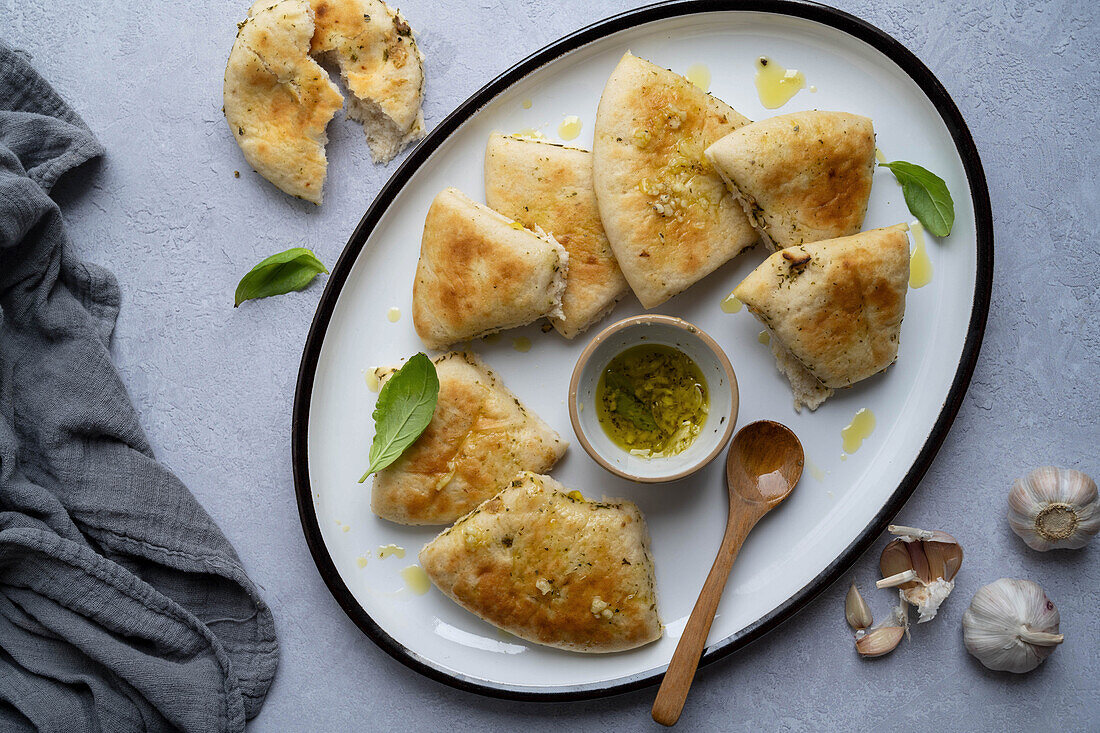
(652, 400)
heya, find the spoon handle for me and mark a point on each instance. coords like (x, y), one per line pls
(685, 660)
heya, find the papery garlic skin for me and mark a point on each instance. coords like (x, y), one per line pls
(1011, 625)
(928, 598)
(1054, 508)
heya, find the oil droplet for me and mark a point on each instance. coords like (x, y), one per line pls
(569, 128)
(393, 315)
(776, 85)
(815, 470)
(522, 344)
(813, 89)
(346, 528)
(920, 265)
(731, 304)
(531, 132)
(416, 579)
(879, 155)
(862, 425)
(526, 104)
(843, 456)
(491, 338)
(361, 561)
(764, 337)
(699, 75)
(372, 380)
(385, 551)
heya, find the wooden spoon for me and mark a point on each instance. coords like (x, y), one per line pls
(763, 465)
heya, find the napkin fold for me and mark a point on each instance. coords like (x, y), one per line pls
(122, 605)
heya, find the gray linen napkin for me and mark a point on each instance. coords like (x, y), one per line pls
(122, 605)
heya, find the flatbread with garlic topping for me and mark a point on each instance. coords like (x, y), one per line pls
(834, 308)
(278, 100)
(668, 216)
(481, 272)
(479, 438)
(551, 567)
(381, 65)
(802, 177)
(541, 184)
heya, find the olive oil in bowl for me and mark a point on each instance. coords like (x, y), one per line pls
(652, 400)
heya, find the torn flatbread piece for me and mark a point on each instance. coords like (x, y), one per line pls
(801, 177)
(381, 65)
(278, 100)
(834, 308)
(668, 216)
(479, 438)
(542, 184)
(481, 272)
(551, 567)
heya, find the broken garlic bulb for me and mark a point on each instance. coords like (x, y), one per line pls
(1011, 626)
(923, 565)
(1054, 508)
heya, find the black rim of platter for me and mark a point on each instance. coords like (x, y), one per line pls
(825, 15)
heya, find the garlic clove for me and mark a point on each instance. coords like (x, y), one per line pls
(879, 641)
(895, 561)
(1011, 626)
(1054, 508)
(944, 558)
(856, 609)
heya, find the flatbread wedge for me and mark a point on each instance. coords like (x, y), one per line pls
(481, 272)
(479, 438)
(541, 184)
(381, 65)
(801, 177)
(551, 567)
(668, 216)
(278, 100)
(834, 308)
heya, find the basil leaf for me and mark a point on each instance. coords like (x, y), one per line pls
(405, 406)
(926, 195)
(279, 274)
(627, 403)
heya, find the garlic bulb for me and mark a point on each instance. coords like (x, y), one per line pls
(1053, 508)
(1011, 625)
(923, 565)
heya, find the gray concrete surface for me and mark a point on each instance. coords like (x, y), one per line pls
(214, 385)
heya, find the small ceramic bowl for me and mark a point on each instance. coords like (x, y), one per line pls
(669, 331)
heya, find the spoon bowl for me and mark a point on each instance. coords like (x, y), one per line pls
(764, 463)
(763, 466)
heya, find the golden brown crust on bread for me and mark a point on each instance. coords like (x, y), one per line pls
(278, 100)
(668, 215)
(551, 567)
(803, 177)
(479, 438)
(480, 272)
(541, 184)
(836, 305)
